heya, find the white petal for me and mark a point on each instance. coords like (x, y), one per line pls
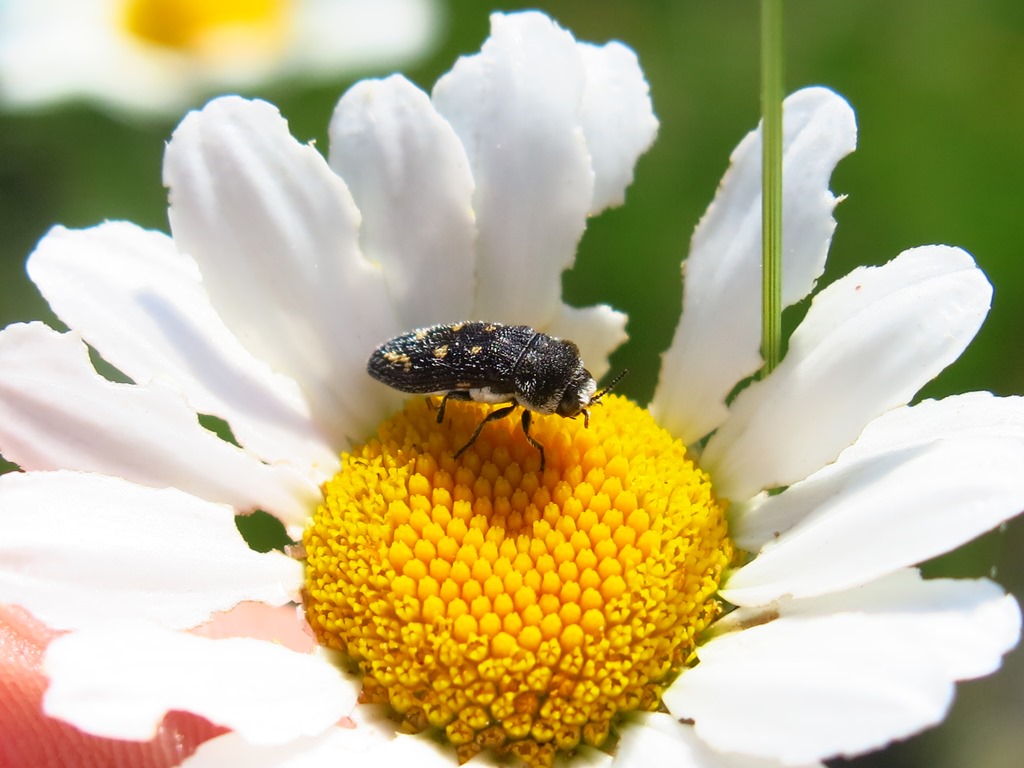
(78, 549)
(515, 106)
(142, 305)
(119, 680)
(275, 234)
(56, 412)
(57, 49)
(875, 516)
(410, 177)
(868, 343)
(657, 740)
(334, 35)
(358, 746)
(982, 622)
(972, 415)
(597, 331)
(848, 673)
(717, 342)
(60, 49)
(617, 117)
(306, 752)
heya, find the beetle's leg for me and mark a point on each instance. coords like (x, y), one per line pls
(527, 419)
(492, 416)
(586, 418)
(456, 394)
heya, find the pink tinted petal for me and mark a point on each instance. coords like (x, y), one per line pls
(28, 737)
(284, 625)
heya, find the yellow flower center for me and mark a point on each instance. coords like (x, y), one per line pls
(514, 610)
(223, 27)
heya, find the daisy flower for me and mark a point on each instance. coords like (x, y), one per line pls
(159, 56)
(715, 581)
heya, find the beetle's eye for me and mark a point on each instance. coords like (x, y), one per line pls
(575, 398)
(570, 405)
(578, 395)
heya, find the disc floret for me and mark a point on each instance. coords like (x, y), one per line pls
(514, 610)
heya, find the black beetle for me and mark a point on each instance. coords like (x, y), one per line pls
(490, 363)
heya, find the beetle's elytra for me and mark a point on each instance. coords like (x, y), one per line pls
(490, 363)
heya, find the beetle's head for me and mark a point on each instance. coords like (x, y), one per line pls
(580, 395)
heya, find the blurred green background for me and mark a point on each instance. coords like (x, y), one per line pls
(939, 93)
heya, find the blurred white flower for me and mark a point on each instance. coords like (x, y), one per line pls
(161, 56)
(283, 273)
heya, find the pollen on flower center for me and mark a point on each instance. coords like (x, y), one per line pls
(201, 26)
(514, 610)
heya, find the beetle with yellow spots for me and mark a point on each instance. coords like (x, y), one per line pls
(490, 363)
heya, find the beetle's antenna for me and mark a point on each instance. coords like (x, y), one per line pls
(608, 389)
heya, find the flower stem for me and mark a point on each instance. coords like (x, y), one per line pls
(771, 183)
